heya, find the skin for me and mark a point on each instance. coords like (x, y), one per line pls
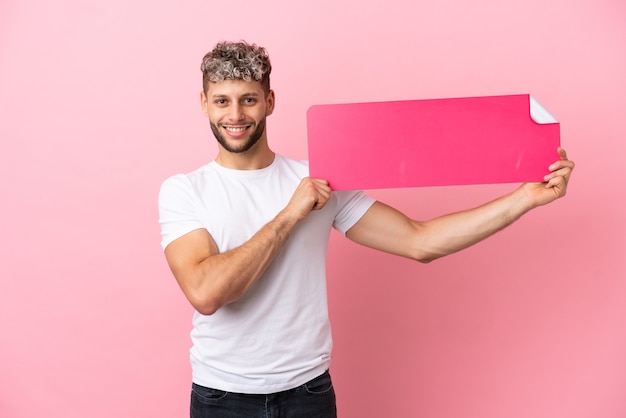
(236, 109)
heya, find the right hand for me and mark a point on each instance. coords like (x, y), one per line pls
(311, 194)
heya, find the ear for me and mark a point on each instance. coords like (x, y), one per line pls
(270, 101)
(204, 103)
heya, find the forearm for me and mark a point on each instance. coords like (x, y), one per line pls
(387, 229)
(211, 279)
(224, 277)
(451, 233)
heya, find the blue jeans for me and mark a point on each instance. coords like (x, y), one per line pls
(314, 399)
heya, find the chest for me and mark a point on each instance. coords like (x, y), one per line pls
(233, 210)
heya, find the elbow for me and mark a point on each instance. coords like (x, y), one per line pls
(207, 300)
(206, 309)
(420, 246)
(205, 305)
(425, 257)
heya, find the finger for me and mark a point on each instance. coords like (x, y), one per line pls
(320, 182)
(562, 153)
(558, 185)
(322, 187)
(562, 164)
(321, 200)
(319, 204)
(559, 172)
(319, 192)
(556, 181)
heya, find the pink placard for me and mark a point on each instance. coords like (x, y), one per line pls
(435, 142)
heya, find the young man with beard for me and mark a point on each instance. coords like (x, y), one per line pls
(246, 238)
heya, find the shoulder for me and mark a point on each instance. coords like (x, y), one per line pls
(184, 183)
(189, 178)
(299, 165)
(290, 168)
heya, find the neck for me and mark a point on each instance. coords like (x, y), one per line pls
(256, 158)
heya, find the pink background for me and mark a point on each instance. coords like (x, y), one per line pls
(99, 103)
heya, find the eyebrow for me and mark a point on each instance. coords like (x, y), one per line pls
(225, 96)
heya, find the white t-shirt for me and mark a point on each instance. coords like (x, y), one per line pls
(277, 336)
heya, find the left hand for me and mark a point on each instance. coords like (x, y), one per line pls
(555, 183)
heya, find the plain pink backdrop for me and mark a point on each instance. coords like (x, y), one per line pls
(99, 104)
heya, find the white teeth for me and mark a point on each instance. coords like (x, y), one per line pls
(231, 129)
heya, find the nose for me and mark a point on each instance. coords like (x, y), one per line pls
(236, 112)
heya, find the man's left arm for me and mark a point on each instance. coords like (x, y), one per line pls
(386, 229)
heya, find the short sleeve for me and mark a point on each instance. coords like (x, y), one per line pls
(352, 206)
(178, 214)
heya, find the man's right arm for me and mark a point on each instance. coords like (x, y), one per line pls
(210, 279)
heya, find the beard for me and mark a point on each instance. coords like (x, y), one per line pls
(253, 138)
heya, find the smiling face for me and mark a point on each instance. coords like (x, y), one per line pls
(237, 110)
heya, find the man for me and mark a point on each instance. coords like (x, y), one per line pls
(246, 238)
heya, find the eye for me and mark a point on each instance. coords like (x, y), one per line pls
(220, 102)
(249, 100)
